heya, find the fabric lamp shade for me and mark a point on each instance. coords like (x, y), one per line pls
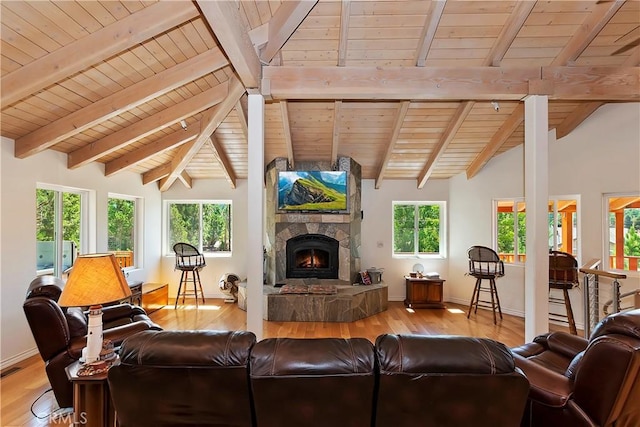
(95, 279)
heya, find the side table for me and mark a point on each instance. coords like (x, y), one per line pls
(92, 406)
(424, 292)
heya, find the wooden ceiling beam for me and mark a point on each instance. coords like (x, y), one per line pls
(156, 173)
(587, 32)
(450, 132)
(582, 112)
(345, 15)
(509, 32)
(147, 126)
(286, 133)
(497, 140)
(282, 25)
(115, 104)
(451, 83)
(335, 136)
(89, 50)
(242, 119)
(576, 117)
(185, 179)
(397, 127)
(149, 150)
(429, 31)
(223, 160)
(208, 125)
(226, 23)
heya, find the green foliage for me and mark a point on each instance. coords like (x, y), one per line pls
(46, 216)
(121, 224)
(632, 243)
(425, 232)
(184, 225)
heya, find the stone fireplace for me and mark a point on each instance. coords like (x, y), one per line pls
(312, 255)
(305, 245)
(317, 255)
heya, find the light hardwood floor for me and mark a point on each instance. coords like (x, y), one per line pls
(20, 389)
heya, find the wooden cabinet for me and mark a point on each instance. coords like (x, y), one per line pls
(424, 292)
(154, 296)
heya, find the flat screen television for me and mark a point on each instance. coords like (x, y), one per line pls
(312, 191)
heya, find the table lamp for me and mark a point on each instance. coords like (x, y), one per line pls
(95, 279)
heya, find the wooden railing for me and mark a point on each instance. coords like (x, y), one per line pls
(629, 263)
(124, 258)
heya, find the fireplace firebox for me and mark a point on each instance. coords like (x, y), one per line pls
(312, 256)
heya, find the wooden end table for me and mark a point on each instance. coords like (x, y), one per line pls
(423, 292)
(92, 405)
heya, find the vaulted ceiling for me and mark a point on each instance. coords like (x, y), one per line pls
(412, 90)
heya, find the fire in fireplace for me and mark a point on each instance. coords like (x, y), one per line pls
(312, 255)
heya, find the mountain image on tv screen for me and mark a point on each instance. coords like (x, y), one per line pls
(312, 190)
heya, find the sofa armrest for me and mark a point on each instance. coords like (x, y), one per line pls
(566, 344)
(119, 311)
(546, 386)
(119, 333)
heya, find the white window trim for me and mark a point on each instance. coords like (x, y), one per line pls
(168, 252)
(442, 231)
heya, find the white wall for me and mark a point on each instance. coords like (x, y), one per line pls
(600, 156)
(377, 233)
(210, 189)
(18, 230)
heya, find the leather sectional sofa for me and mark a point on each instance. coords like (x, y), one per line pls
(220, 378)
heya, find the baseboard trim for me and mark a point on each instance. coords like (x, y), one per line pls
(6, 363)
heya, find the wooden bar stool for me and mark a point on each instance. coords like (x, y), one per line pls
(563, 275)
(189, 261)
(484, 263)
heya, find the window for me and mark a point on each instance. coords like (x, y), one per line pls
(122, 224)
(60, 227)
(623, 231)
(205, 225)
(511, 227)
(418, 229)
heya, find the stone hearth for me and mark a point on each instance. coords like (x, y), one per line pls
(351, 303)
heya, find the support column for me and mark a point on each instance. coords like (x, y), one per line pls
(536, 190)
(255, 216)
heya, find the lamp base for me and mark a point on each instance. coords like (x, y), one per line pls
(94, 335)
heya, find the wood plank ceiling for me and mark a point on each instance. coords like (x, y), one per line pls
(404, 87)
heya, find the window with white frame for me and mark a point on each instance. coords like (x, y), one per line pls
(61, 228)
(510, 227)
(203, 224)
(622, 231)
(123, 222)
(419, 229)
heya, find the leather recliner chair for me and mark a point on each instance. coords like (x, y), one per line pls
(579, 382)
(197, 378)
(447, 381)
(61, 334)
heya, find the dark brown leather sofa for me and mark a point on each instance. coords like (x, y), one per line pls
(60, 334)
(579, 382)
(180, 378)
(448, 381)
(209, 378)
